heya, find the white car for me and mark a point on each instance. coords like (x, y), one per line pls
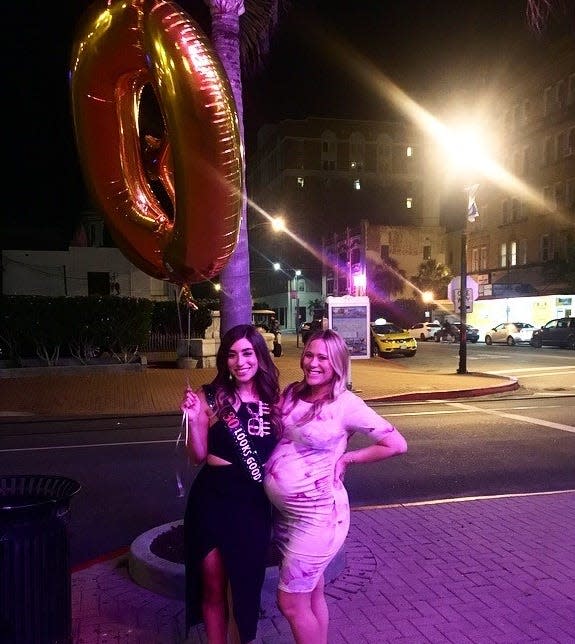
(510, 333)
(424, 330)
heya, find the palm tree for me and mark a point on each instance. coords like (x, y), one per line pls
(241, 46)
(432, 276)
(385, 277)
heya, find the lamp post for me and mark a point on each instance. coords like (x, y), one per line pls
(463, 304)
(472, 214)
(466, 149)
(293, 301)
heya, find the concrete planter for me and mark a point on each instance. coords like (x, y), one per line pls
(201, 352)
(168, 578)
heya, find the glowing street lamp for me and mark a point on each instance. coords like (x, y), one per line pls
(427, 298)
(278, 224)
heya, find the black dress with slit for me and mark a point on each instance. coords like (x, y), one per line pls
(228, 511)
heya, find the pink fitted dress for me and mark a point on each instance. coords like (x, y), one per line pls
(312, 509)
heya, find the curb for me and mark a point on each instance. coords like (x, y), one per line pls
(512, 385)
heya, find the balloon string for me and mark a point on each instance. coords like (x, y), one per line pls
(184, 430)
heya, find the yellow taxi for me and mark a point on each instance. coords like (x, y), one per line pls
(388, 340)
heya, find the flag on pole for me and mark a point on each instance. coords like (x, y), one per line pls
(472, 210)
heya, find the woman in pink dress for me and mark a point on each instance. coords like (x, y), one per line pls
(304, 478)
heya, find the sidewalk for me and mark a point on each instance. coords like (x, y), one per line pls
(136, 390)
(498, 570)
(474, 570)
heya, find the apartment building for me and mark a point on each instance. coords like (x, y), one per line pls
(356, 193)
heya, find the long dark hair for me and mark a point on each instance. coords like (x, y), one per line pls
(266, 380)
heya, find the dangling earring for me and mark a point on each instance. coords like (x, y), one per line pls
(230, 377)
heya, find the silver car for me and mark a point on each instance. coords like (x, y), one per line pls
(510, 333)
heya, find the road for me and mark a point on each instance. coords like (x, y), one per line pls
(548, 370)
(134, 477)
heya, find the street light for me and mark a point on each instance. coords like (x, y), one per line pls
(427, 298)
(277, 224)
(467, 151)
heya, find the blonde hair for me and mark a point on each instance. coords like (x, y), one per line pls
(338, 356)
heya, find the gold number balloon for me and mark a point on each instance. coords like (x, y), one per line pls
(121, 48)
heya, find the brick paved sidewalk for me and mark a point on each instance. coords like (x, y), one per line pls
(484, 570)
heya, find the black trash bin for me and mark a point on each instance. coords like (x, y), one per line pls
(35, 580)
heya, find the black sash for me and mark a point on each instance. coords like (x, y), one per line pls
(247, 454)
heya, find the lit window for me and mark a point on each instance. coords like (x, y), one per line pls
(409, 202)
(513, 254)
(300, 182)
(409, 151)
(503, 255)
(357, 184)
(359, 280)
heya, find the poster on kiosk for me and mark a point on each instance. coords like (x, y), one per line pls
(349, 316)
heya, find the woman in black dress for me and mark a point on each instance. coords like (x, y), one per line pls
(232, 427)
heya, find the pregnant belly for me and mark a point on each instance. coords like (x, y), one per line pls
(305, 498)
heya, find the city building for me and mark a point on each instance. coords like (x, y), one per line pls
(324, 176)
(90, 266)
(358, 193)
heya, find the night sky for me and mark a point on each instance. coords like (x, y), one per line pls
(427, 47)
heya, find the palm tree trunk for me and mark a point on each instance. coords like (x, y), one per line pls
(235, 294)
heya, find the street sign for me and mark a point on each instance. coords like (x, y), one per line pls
(468, 300)
(456, 283)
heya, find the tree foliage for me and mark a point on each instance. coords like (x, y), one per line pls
(432, 276)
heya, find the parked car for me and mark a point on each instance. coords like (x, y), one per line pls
(510, 333)
(453, 333)
(388, 340)
(556, 333)
(266, 322)
(471, 334)
(424, 330)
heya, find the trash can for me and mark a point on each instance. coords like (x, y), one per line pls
(35, 580)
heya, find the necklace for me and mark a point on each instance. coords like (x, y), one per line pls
(257, 426)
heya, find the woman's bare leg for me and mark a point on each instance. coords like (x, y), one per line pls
(214, 598)
(320, 609)
(297, 609)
